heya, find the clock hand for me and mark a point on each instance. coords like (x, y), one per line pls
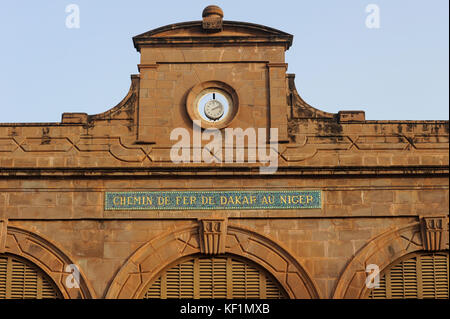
(217, 107)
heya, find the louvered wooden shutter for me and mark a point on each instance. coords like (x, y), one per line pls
(246, 280)
(212, 277)
(435, 276)
(422, 276)
(179, 281)
(3, 276)
(21, 280)
(272, 290)
(154, 291)
(216, 277)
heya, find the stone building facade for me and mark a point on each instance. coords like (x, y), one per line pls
(83, 194)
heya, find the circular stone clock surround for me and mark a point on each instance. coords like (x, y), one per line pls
(199, 90)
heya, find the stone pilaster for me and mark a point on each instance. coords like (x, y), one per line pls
(3, 230)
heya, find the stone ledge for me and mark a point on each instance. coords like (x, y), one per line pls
(351, 116)
(74, 118)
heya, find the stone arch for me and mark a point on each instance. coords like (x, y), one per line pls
(48, 258)
(156, 255)
(382, 251)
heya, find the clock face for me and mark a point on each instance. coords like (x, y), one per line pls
(214, 109)
(214, 105)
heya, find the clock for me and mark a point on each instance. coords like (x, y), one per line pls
(212, 104)
(214, 110)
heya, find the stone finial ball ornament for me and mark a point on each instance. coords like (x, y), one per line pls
(212, 10)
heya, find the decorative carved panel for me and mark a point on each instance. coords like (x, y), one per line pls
(434, 233)
(212, 234)
(212, 19)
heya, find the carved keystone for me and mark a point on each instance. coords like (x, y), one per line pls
(434, 233)
(212, 234)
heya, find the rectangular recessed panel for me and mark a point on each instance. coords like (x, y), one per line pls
(213, 200)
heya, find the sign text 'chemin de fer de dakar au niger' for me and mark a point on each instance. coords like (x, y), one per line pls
(212, 200)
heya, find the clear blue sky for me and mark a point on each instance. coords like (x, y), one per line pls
(399, 71)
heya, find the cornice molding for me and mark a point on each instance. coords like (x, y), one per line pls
(202, 171)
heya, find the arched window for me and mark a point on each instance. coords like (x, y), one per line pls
(20, 279)
(215, 277)
(422, 275)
